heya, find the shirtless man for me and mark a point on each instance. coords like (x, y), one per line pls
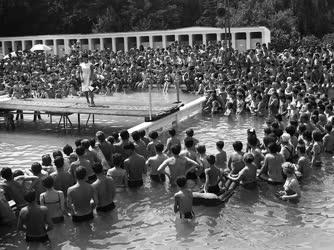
(13, 190)
(67, 164)
(151, 145)
(154, 162)
(104, 188)
(190, 135)
(235, 162)
(119, 175)
(105, 146)
(68, 150)
(134, 165)
(328, 139)
(82, 161)
(271, 170)
(34, 220)
(190, 152)
(89, 155)
(221, 157)
(183, 199)
(37, 185)
(143, 136)
(119, 147)
(171, 141)
(247, 176)
(177, 165)
(62, 179)
(140, 146)
(212, 177)
(79, 197)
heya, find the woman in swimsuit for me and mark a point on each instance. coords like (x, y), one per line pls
(53, 200)
(291, 186)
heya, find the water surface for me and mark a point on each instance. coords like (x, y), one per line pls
(144, 219)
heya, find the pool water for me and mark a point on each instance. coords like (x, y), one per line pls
(144, 218)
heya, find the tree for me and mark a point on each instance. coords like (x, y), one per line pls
(208, 13)
(32, 17)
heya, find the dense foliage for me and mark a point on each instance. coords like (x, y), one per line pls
(288, 19)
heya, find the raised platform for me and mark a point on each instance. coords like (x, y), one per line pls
(65, 106)
(131, 105)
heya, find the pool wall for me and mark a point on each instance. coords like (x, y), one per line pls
(188, 110)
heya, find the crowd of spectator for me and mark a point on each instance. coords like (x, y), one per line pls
(196, 69)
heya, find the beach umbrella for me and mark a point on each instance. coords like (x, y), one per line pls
(40, 47)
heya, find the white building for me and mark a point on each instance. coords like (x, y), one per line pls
(243, 38)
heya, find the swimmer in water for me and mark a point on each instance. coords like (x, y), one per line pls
(79, 197)
(247, 176)
(177, 165)
(151, 145)
(171, 141)
(303, 167)
(34, 220)
(190, 152)
(271, 170)
(104, 188)
(119, 174)
(53, 200)
(235, 162)
(221, 157)
(154, 162)
(183, 200)
(291, 186)
(135, 166)
(317, 148)
(213, 176)
(190, 135)
(328, 139)
(82, 161)
(62, 179)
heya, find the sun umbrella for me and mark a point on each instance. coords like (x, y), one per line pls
(40, 47)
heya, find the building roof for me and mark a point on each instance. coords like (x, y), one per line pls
(185, 30)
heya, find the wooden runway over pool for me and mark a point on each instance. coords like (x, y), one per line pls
(66, 106)
(130, 105)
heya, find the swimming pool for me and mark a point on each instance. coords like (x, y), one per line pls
(145, 217)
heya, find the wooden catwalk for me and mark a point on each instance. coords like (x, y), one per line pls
(63, 108)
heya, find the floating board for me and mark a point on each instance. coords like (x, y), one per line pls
(209, 199)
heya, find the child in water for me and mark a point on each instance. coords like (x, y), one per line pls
(247, 176)
(221, 157)
(213, 175)
(202, 158)
(183, 200)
